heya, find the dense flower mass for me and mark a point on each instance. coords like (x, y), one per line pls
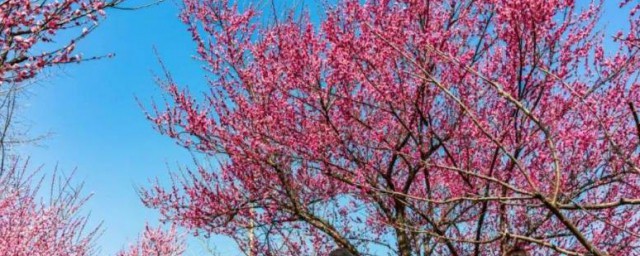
(156, 242)
(30, 226)
(412, 127)
(29, 33)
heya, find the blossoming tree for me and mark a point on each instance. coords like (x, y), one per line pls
(474, 127)
(156, 242)
(31, 226)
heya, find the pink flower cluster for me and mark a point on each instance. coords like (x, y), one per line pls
(155, 242)
(31, 226)
(28, 28)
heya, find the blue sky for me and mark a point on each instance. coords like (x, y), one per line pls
(98, 127)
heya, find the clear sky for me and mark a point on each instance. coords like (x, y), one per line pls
(99, 128)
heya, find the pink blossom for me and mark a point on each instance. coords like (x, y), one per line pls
(155, 242)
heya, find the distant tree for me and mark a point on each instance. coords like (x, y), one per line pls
(411, 127)
(156, 242)
(31, 225)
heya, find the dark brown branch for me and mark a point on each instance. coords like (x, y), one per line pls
(602, 206)
(569, 225)
(635, 118)
(543, 243)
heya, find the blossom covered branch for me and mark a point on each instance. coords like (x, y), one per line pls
(29, 32)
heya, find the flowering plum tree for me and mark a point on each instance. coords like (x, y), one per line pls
(155, 242)
(475, 127)
(30, 226)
